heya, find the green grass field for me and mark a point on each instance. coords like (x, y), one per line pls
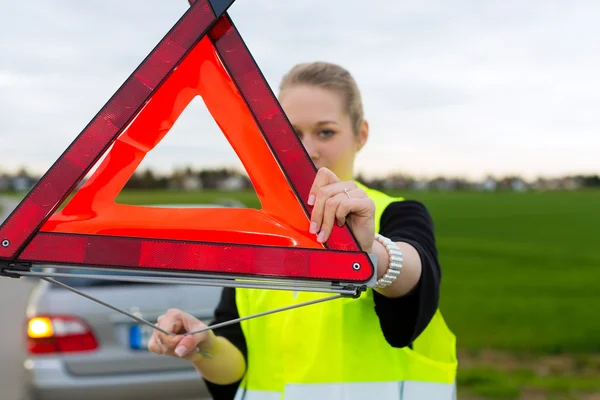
(521, 271)
(521, 276)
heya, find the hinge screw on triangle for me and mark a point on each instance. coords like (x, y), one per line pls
(5, 243)
(356, 266)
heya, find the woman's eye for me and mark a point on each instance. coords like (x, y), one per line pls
(326, 133)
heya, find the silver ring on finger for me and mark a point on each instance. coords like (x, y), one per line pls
(347, 194)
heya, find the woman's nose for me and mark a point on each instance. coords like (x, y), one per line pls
(310, 148)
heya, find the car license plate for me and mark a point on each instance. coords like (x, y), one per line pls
(139, 336)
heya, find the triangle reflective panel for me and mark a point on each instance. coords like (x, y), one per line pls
(202, 55)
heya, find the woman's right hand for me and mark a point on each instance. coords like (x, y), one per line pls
(177, 345)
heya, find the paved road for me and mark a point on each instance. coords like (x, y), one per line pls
(13, 297)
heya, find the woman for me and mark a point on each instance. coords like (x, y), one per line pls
(392, 341)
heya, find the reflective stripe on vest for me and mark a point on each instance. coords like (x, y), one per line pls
(407, 390)
(329, 350)
(256, 395)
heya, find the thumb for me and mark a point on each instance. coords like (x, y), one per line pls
(187, 345)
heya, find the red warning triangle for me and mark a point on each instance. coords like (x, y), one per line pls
(202, 55)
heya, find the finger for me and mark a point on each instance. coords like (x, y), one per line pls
(172, 323)
(342, 212)
(323, 195)
(359, 206)
(329, 216)
(154, 339)
(160, 343)
(187, 344)
(154, 346)
(337, 209)
(324, 177)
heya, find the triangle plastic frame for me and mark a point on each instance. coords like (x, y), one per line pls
(202, 55)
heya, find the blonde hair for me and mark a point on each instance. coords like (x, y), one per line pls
(329, 76)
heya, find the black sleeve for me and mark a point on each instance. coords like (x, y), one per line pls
(403, 319)
(227, 310)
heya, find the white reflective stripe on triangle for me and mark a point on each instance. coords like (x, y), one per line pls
(256, 395)
(417, 390)
(344, 391)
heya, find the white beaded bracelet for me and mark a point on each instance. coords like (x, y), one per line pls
(395, 265)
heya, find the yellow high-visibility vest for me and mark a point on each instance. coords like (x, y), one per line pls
(336, 350)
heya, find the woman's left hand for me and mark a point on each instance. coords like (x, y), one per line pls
(337, 202)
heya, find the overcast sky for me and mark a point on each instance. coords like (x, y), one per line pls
(453, 87)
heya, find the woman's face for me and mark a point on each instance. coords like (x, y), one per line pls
(324, 127)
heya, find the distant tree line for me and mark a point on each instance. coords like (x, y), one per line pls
(590, 180)
(231, 179)
(489, 183)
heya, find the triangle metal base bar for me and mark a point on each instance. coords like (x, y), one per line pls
(344, 289)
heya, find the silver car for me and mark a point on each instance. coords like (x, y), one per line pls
(79, 349)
